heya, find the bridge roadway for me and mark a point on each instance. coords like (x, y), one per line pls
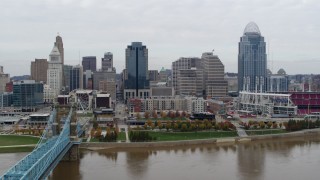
(45, 157)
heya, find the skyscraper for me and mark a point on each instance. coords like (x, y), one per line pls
(4, 79)
(59, 45)
(215, 84)
(39, 69)
(76, 78)
(107, 61)
(89, 63)
(54, 73)
(137, 77)
(252, 60)
(195, 65)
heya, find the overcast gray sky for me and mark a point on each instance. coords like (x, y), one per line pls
(169, 28)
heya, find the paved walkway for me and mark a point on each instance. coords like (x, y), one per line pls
(241, 132)
(126, 131)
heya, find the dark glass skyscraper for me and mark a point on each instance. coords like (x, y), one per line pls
(89, 63)
(252, 60)
(137, 67)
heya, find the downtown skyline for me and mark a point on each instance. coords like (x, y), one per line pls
(170, 30)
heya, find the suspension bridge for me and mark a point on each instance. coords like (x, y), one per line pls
(49, 151)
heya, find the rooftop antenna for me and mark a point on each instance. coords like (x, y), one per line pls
(79, 57)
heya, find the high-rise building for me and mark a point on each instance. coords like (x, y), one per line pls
(59, 45)
(252, 60)
(89, 63)
(107, 61)
(4, 79)
(215, 84)
(101, 76)
(39, 69)
(137, 77)
(153, 75)
(27, 95)
(66, 72)
(88, 79)
(185, 64)
(190, 82)
(108, 86)
(54, 73)
(76, 78)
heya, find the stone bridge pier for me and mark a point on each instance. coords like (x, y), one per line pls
(73, 153)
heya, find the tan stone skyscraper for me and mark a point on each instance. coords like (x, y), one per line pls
(39, 69)
(59, 45)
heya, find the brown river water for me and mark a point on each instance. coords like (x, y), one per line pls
(292, 159)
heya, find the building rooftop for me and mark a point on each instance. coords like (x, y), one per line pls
(251, 28)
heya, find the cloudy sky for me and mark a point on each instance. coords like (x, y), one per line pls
(169, 28)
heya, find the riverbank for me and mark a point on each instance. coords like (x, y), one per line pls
(231, 140)
(17, 143)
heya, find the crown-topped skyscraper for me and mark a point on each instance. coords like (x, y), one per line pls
(59, 45)
(252, 60)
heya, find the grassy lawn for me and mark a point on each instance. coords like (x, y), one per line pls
(16, 149)
(122, 136)
(94, 140)
(176, 136)
(265, 131)
(10, 140)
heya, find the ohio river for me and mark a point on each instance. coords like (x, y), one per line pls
(294, 159)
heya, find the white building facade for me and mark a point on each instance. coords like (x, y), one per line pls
(54, 74)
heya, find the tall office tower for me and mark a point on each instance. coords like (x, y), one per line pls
(66, 72)
(153, 75)
(39, 69)
(184, 64)
(54, 73)
(107, 61)
(89, 63)
(76, 78)
(108, 86)
(59, 45)
(87, 79)
(190, 82)
(252, 60)
(215, 84)
(137, 77)
(4, 79)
